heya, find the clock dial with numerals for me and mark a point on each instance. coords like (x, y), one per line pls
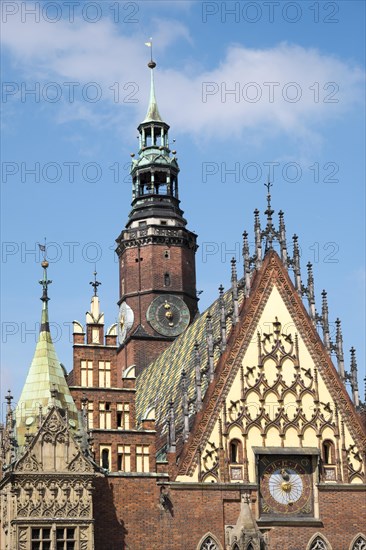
(168, 315)
(286, 485)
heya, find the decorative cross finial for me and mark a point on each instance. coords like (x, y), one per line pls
(269, 210)
(268, 185)
(95, 283)
(269, 232)
(44, 282)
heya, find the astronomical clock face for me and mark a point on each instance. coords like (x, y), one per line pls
(168, 315)
(286, 486)
(125, 321)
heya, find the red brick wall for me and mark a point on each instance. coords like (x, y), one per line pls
(136, 521)
(140, 352)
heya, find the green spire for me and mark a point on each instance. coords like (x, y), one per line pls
(152, 114)
(45, 385)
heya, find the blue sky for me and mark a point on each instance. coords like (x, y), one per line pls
(247, 88)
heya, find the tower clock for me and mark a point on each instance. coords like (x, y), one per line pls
(286, 486)
(156, 250)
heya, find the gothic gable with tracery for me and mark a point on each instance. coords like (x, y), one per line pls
(47, 492)
(279, 401)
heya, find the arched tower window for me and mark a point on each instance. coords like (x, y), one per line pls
(328, 452)
(235, 451)
(166, 279)
(359, 543)
(105, 459)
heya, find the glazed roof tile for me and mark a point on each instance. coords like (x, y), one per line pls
(160, 382)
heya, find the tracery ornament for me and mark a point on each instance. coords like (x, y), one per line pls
(354, 463)
(272, 274)
(209, 542)
(359, 543)
(22, 538)
(210, 462)
(29, 464)
(281, 349)
(54, 497)
(79, 464)
(55, 430)
(318, 542)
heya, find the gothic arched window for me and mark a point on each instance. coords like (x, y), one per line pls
(166, 279)
(318, 544)
(105, 459)
(328, 452)
(359, 543)
(209, 544)
(235, 451)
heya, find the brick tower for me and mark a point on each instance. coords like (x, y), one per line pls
(156, 251)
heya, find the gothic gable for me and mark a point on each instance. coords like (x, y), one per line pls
(53, 449)
(275, 387)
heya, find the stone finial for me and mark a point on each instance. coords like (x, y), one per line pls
(339, 349)
(325, 321)
(185, 405)
(222, 318)
(198, 377)
(171, 428)
(234, 291)
(246, 257)
(353, 378)
(310, 293)
(258, 240)
(9, 411)
(282, 237)
(296, 265)
(269, 231)
(210, 347)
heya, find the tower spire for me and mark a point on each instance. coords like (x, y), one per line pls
(45, 385)
(152, 110)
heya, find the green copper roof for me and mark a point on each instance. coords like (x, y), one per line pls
(45, 384)
(161, 381)
(152, 114)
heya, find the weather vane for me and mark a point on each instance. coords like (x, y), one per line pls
(95, 283)
(44, 282)
(42, 248)
(149, 44)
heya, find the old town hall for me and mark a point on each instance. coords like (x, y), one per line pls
(228, 429)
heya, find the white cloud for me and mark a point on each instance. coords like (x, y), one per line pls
(199, 103)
